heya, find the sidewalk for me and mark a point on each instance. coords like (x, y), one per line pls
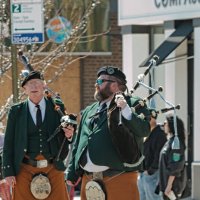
(77, 198)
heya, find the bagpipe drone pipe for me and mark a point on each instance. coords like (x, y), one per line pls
(170, 106)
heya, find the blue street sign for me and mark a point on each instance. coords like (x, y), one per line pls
(27, 38)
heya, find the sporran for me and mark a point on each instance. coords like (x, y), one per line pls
(95, 190)
(40, 186)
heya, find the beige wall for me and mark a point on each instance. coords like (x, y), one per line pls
(68, 86)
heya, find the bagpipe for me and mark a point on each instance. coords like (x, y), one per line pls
(123, 139)
(66, 119)
(130, 154)
(142, 103)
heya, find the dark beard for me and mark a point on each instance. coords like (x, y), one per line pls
(103, 94)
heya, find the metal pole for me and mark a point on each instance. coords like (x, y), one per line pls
(15, 89)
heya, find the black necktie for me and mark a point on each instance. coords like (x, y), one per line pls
(99, 112)
(102, 108)
(38, 116)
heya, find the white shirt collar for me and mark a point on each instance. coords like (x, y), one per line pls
(107, 103)
(33, 109)
(32, 105)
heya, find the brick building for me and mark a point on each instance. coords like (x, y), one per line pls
(76, 84)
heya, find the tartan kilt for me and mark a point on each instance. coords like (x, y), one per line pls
(4, 190)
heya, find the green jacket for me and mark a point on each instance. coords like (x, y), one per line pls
(15, 143)
(99, 143)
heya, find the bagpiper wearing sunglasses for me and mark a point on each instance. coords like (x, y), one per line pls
(107, 151)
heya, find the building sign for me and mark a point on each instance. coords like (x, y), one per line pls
(58, 29)
(27, 22)
(156, 11)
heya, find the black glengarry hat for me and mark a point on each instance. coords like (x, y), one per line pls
(112, 71)
(32, 75)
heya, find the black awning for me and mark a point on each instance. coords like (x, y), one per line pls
(172, 42)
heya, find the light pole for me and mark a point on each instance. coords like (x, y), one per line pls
(15, 89)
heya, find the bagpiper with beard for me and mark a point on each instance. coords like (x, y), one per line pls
(109, 128)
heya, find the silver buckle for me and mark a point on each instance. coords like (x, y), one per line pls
(42, 163)
(97, 175)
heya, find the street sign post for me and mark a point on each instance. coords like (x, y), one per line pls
(27, 21)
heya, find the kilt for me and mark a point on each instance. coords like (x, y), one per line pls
(56, 178)
(123, 186)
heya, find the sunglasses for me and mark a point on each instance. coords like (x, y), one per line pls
(100, 81)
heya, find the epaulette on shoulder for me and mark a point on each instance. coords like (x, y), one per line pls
(89, 107)
(18, 104)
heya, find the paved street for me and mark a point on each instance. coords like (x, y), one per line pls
(77, 198)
